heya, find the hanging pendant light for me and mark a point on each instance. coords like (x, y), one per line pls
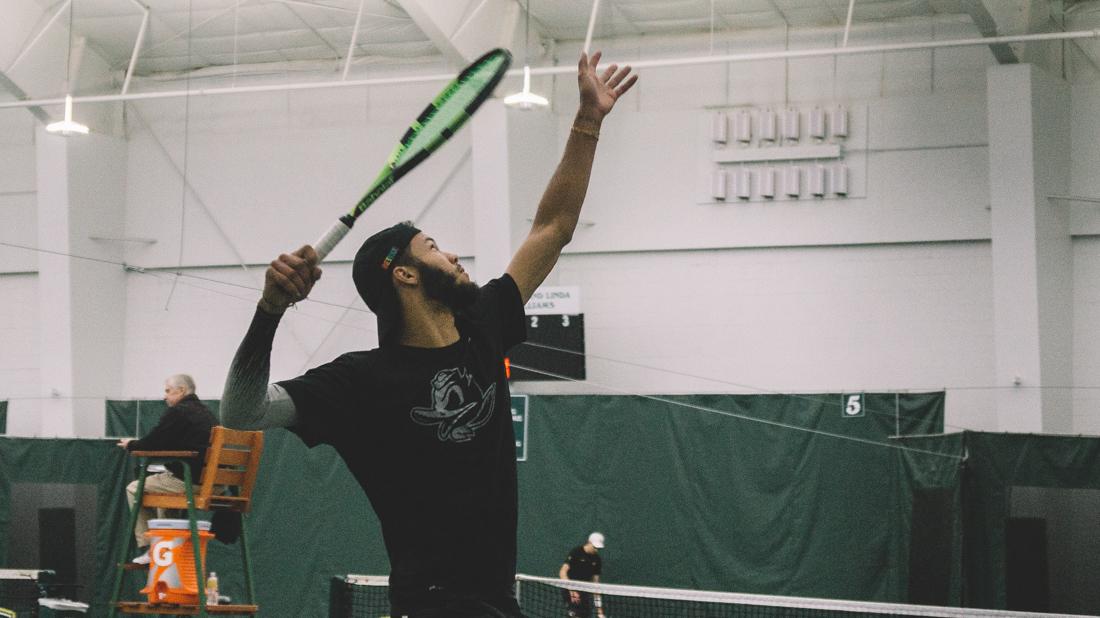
(526, 99)
(68, 126)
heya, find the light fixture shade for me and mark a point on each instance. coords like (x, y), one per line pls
(767, 182)
(839, 177)
(817, 181)
(719, 131)
(526, 99)
(743, 180)
(742, 126)
(792, 125)
(838, 122)
(817, 124)
(67, 127)
(792, 181)
(719, 185)
(769, 126)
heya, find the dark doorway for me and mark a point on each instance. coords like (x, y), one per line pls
(930, 547)
(1053, 550)
(53, 528)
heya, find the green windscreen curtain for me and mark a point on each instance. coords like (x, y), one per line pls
(803, 495)
(767, 494)
(3, 417)
(133, 418)
(995, 463)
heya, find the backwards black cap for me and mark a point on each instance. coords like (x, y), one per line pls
(371, 274)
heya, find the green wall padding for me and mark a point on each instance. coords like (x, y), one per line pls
(133, 418)
(697, 499)
(995, 463)
(718, 491)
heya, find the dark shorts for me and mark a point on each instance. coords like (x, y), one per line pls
(581, 608)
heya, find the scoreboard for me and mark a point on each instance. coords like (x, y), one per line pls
(555, 338)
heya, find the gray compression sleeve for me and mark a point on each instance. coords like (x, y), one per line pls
(248, 401)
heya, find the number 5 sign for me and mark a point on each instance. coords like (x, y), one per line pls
(853, 405)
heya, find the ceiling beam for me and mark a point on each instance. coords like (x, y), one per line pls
(39, 57)
(463, 31)
(996, 17)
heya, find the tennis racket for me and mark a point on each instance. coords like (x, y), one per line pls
(434, 126)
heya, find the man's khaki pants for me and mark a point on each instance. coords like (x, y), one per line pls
(162, 483)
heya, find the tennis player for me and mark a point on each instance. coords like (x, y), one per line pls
(423, 422)
(584, 564)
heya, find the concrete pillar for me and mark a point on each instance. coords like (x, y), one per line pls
(81, 196)
(1029, 159)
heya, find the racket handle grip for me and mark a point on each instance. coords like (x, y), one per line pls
(331, 238)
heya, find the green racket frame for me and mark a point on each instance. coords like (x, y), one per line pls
(410, 152)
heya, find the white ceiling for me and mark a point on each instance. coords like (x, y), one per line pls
(193, 34)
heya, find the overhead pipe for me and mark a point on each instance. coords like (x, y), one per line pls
(354, 38)
(848, 22)
(561, 70)
(591, 25)
(137, 46)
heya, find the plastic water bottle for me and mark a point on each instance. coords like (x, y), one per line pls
(212, 589)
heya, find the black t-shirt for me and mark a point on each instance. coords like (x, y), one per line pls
(583, 565)
(428, 434)
(183, 427)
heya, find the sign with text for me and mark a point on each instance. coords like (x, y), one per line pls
(554, 300)
(519, 425)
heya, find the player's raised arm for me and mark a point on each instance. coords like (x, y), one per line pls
(560, 207)
(248, 402)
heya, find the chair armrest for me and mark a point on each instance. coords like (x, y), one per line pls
(165, 454)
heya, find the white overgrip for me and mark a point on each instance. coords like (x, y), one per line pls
(331, 238)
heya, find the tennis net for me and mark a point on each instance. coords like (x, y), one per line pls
(360, 596)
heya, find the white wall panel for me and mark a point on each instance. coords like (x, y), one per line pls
(791, 320)
(1085, 140)
(18, 217)
(1086, 335)
(19, 344)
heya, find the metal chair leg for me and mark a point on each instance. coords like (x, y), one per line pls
(196, 547)
(128, 546)
(247, 557)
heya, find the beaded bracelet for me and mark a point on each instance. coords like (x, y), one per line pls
(592, 132)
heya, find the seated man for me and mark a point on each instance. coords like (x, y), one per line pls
(185, 426)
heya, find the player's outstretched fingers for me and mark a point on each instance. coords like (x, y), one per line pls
(616, 78)
(626, 86)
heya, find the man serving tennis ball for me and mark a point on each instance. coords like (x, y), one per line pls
(423, 422)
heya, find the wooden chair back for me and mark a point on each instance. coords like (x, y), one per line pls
(228, 476)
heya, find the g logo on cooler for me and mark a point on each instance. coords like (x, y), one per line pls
(162, 553)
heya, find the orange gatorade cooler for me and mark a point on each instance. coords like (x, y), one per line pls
(172, 577)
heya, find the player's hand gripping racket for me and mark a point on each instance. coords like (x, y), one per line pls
(435, 125)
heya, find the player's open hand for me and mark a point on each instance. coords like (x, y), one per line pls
(600, 90)
(289, 279)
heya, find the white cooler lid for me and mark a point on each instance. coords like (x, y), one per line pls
(176, 524)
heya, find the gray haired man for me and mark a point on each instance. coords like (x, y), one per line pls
(185, 426)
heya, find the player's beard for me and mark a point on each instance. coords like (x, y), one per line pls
(445, 287)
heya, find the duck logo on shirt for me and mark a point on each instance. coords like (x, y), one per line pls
(459, 406)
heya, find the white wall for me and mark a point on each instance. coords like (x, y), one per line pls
(891, 291)
(805, 319)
